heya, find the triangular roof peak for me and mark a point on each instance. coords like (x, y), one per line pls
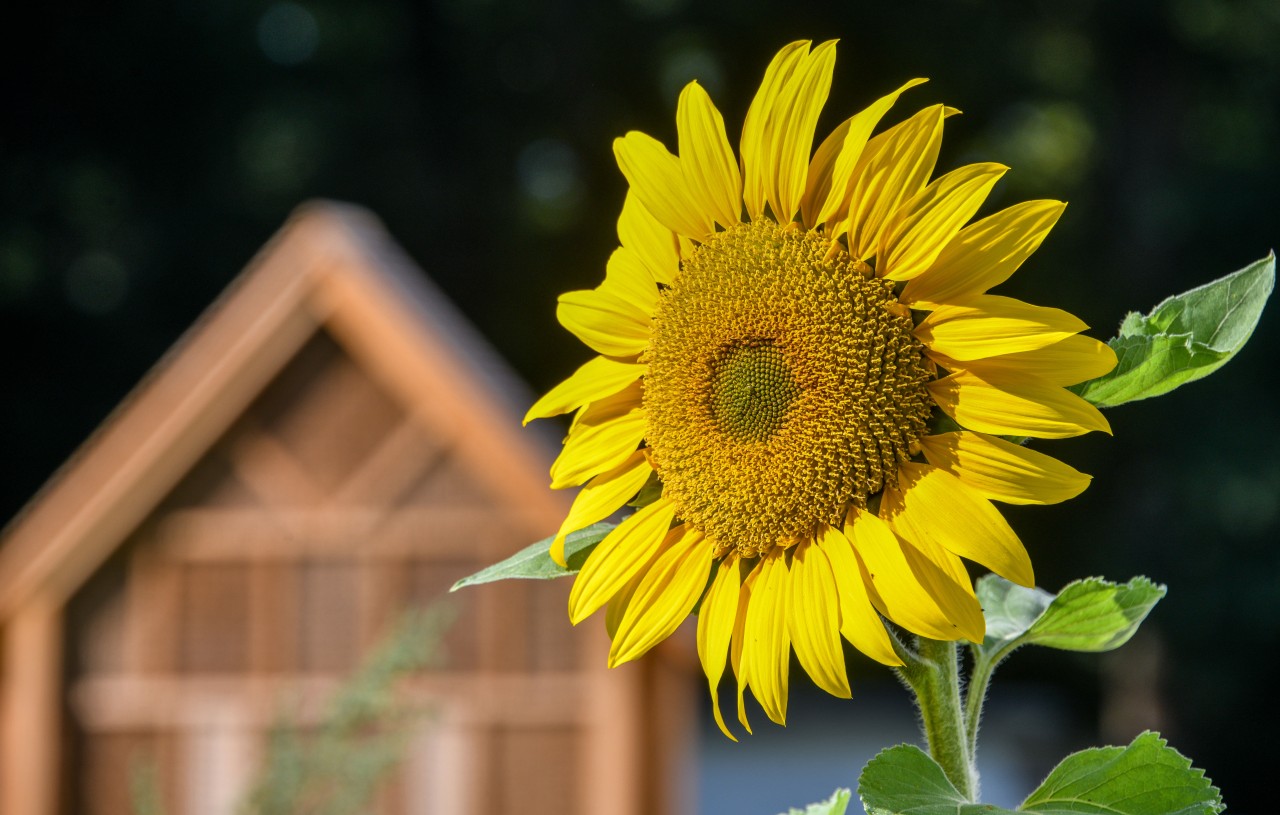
(332, 267)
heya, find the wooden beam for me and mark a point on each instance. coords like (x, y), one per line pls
(31, 689)
(123, 704)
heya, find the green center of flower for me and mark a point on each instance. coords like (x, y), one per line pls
(751, 390)
(785, 382)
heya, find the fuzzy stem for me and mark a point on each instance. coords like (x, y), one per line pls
(976, 696)
(933, 674)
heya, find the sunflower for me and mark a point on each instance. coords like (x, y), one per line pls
(799, 364)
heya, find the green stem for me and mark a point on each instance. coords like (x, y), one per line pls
(976, 695)
(933, 674)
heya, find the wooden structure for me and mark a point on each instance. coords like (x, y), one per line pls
(327, 445)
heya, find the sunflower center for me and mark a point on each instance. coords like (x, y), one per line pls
(751, 389)
(785, 383)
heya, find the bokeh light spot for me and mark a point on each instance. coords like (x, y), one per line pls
(550, 178)
(288, 33)
(685, 60)
(1050, 144)
(278, 152)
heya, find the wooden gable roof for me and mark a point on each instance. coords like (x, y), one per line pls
(331, 298)
(331, 267)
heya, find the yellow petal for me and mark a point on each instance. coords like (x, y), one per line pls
(929, 565)
(819, 184)
(984, 254)
(767, 649)
(793, 120)
(657, 179)
(859, 622)
(988, 325)
(627, 278)
(666, 594)
(925, 224)
(715, 629)
(737, 643)
(710, 168)
(1003, 471)
(894, 587)
(937, 506)
(894, 166)
(1015, 408)
(603, 496)
(1075, 359)
(618, 558)
(617, 605)
(606, 322)
(643, 234)
(756, 148)
(813, 619)
(598, 378)
(603, 436)
(939, 570)
(826, 195)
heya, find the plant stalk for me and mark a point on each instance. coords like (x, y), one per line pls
(976, 696)
(933, 674)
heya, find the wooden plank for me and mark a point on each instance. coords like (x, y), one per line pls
(97, 619)
(401, 459)
(276, 620)
(110, 761)
(215, 618)
(537, 768)
(153, 632)
(242, 535)
(331, 611)
(32, 709)
(269, 469)
(443, 771)
(430, 584)
(118, 703)
(328, 413)
(670, 704)
(609, 777)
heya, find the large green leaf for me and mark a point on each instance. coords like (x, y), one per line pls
(1087, 615)
(904, 780)
(1095, 615)
(534, 561)
(835, 805)
(1146, 778)
(1186, 337)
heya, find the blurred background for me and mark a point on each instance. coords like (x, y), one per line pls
(148, 150)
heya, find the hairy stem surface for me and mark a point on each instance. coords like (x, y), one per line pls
(933, 674)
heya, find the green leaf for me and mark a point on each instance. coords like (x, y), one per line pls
(1010, 609)
(1186, 337)
(534, 561)
(1146, 778)
(1087, 615)
(904, 779)
(1095, 615)
(835, 805)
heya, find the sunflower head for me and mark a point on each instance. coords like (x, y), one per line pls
(782, 335)
(782, 386)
